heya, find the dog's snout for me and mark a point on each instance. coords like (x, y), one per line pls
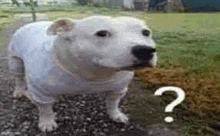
(142, 52)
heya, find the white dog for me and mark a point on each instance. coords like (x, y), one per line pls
(95, 54)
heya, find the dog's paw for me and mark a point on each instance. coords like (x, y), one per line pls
(119, 117)
(47, 125)
(19, 92)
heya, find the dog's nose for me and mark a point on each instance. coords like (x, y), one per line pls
(142, 52)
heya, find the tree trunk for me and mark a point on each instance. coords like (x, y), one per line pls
(33, 10)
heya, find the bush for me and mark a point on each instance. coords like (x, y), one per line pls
(4, 16)
(82, 2)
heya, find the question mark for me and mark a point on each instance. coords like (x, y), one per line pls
(180, 98)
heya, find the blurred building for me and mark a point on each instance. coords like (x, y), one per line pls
(144, 5)
(185, 5)
(201, 5)
(128, 4)
(39, 2)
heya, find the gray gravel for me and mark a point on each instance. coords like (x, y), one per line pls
(76, 116)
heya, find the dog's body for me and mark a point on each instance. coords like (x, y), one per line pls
(92, 55)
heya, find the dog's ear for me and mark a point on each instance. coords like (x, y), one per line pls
(60, 26)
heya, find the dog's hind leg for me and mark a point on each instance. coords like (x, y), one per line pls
(20, 88)
(112, 102)
(16, 66)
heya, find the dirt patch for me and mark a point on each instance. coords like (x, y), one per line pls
(203, 91)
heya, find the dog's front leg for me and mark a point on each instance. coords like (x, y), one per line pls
(46, 117)
(112, 102)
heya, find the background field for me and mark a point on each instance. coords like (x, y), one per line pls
(188, 48)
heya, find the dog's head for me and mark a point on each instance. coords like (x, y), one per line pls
(122, 43)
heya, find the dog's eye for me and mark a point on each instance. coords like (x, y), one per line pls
(146, 32)
(103, 33)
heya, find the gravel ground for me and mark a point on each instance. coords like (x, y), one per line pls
(76, 115)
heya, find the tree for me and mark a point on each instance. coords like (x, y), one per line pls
(15, 2)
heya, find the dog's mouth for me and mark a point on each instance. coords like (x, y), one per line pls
(135, 66)
(138, 65)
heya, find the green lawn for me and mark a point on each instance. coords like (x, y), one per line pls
(192, 38)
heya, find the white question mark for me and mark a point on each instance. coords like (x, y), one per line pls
(180, 98)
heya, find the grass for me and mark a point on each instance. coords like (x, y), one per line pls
(191, 38)
(188, 47)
